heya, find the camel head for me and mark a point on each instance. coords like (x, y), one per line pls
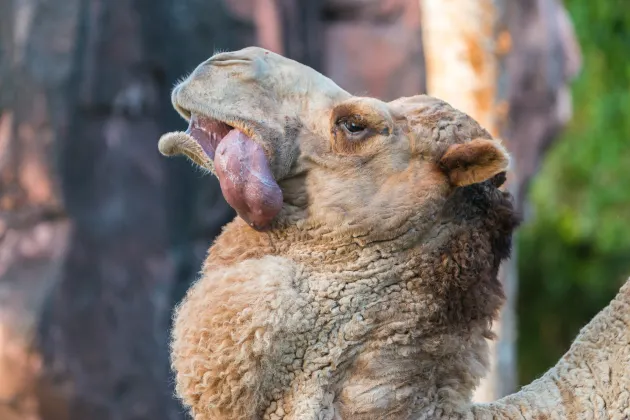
(288, 144)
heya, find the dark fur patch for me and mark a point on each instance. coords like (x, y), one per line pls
(481, 219)
(484, 207)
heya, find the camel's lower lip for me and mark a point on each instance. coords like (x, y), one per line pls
(208, 133)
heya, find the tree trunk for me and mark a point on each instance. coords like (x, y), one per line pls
(462, 67)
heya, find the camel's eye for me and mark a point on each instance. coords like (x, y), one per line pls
(353, 127)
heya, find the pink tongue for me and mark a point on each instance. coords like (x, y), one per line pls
(246, 179)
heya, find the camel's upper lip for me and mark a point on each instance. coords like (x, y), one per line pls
(207, 118)
(207, 115)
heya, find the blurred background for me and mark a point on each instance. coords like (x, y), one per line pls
(100, 236)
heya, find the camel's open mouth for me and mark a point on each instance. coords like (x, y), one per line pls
(238, 161)
(208, 133)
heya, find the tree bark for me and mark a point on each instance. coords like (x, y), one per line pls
(462, 67)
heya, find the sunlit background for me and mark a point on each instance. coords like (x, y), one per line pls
(100, 236)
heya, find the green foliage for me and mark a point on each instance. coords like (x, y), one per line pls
(575, 254)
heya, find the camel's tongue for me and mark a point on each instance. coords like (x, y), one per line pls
(246, 179)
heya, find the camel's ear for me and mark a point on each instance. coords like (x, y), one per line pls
(475, 161)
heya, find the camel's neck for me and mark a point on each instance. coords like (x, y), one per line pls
(308, 243)
(430, 300)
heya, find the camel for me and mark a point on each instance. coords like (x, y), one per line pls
(359, 279)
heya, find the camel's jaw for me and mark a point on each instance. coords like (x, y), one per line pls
(225, 147)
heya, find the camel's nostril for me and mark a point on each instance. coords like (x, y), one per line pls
(228, 58)
(230, 62)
